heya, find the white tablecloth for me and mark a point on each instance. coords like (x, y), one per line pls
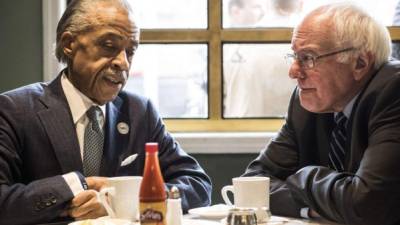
(274, 220)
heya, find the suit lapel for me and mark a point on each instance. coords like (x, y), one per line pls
(354, 147)
(115, 139)
(57, 121)
(325, 125)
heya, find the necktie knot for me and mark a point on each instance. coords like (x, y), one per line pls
(94, 114)
(340, 120)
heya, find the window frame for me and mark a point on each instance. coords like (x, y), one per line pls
(51, 13)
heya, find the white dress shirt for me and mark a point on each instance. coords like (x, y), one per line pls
(78, 104)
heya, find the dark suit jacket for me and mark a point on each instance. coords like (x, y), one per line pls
(38, 143)
(368, 192)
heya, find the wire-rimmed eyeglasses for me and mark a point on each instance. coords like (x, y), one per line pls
(307, 61)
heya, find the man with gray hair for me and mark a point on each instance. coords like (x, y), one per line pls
(337, 155)
(59, 140)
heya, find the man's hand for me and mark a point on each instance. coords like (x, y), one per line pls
(314, 214)
(96, 183)
(86, 205)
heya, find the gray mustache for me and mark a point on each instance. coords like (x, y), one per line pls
(121, 75)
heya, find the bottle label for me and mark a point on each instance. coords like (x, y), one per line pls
(153, 213)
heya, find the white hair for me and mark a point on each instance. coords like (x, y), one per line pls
(354, 27)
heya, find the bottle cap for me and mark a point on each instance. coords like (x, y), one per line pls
(151, 147)
(174, 193)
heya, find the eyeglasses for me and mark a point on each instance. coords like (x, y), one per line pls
(307, 61)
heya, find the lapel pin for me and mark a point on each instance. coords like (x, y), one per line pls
(123, 128)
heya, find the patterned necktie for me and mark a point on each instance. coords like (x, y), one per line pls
(93, 143)
(338, 142)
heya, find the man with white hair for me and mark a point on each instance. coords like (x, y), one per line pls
(338, 154)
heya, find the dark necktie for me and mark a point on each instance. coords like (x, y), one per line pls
(338, 143)
(93, 143)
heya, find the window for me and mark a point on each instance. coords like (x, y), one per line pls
(193, 55)
(174, 76)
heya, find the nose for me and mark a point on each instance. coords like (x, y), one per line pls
(121, 61)
(295, 70)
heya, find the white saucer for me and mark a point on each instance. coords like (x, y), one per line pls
(102, 221)
(199, 222)
(211, 212)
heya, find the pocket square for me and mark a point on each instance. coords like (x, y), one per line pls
(128, 160)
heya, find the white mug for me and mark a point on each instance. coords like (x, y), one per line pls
(250, 192)
(123, 193)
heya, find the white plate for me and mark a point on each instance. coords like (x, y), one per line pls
(211, 212)
(199, 222)
(102, 221)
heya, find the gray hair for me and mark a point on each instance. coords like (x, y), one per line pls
(76, 20)
(353, 26)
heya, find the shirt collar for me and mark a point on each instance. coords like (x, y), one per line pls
(77, 101)
(349, 107)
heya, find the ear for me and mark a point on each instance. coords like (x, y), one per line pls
(68, 42)
(363, 65)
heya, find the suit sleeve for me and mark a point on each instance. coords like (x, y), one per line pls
(21, 201)
(371, 195)
(178, 168)
(278, 161)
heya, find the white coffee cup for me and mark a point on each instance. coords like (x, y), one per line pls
(123, 193)
(250, 192)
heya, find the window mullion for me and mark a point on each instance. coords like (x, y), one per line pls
(215, 59)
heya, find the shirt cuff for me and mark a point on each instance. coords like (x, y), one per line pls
(76, 182)
(304, 212)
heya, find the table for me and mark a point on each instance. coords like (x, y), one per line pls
(275, 220)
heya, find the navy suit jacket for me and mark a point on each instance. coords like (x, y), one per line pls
(368, 191)
(38, 143)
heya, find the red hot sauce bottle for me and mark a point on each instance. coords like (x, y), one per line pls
(152, 195)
